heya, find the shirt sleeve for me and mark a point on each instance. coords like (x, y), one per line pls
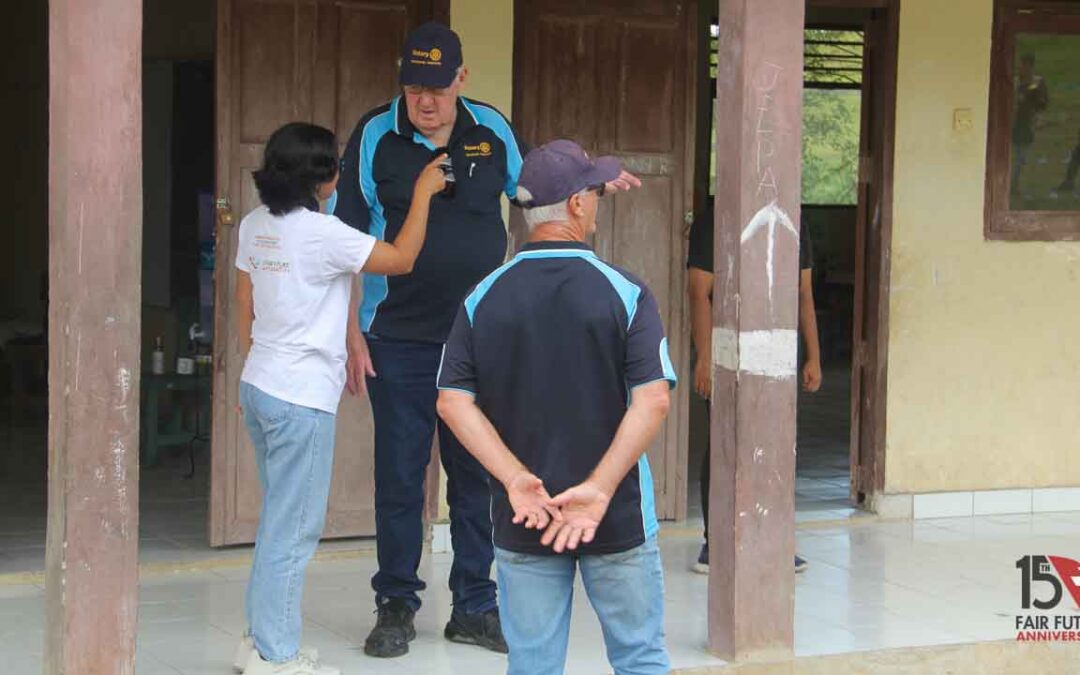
(806, 249)
(457, 370)
(513, 168)
(647, 357)
(346, 250)
(516, 149)
(349, 203)
(700, 253)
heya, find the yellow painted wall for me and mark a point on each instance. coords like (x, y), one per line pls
(486, 28)
(984, 340)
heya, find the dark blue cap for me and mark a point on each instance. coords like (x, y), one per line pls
(431, 57)
(560, 169)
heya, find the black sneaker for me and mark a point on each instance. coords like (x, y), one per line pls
(483, 630)
(800, 565)
(393, 631)
(702, 564)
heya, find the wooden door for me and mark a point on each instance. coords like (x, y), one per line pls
(321, 61)
(618, 78)
(872, 242)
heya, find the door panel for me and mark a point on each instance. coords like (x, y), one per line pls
(645, 121)
(321, 61)
(616, 78)
(571, 46)
(367, 68)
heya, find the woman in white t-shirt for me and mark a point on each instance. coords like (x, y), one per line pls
(295, 268)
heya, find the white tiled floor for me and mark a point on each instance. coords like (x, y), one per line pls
(870, 585)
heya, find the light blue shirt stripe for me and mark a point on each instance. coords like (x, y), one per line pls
(375, 285)
(628, 291)
(649, 524)
(490, 118)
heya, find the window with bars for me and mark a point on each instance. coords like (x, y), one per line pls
(832, 59)
(832, 100)
(832, 113)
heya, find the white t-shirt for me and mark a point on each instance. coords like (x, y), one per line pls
(301, 265)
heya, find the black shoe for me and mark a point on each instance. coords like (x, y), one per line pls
(483, 630)
(800, 565)
(393, 631)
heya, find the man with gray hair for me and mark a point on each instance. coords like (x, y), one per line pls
(556, 377)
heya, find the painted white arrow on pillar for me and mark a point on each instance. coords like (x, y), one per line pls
(769, 217)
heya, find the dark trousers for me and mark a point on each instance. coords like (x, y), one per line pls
(706, 469)
(403, 403)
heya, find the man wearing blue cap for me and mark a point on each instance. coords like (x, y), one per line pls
(556, 377)
(396, 338)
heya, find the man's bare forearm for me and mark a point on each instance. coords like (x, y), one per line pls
(808, 317)
(353, 325)
(475, 431)
(700, 290)
(245, 311)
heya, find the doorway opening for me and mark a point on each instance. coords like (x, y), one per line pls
(849, 77)
(178, 150)
(833, 91)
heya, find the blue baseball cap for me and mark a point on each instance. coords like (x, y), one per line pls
(431, 57)
(555, 171)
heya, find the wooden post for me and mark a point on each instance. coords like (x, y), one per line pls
(752, 504)
(95, 242)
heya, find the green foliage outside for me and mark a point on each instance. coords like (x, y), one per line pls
(830, 146)
(831, 116)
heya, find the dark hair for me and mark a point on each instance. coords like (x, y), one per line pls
(299, 157)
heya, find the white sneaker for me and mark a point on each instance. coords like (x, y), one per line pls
(243, 653)
(247, 646)
(303, 664)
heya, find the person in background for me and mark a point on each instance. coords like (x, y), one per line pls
(1032, 97)
(699, 264)
(295, 268)
(556, 376)
(1068, 184)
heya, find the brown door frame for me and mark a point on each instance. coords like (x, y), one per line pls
(219, 405)
(870, 325)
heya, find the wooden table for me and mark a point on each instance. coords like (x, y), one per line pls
(174, 432)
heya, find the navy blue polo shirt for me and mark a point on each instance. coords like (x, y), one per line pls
(466, 235)
(551, 344)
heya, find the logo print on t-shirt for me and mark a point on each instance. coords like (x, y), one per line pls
(266, 265)
(264, 241)
(482, 149)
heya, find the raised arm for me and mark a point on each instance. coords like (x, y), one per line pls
(398, 257)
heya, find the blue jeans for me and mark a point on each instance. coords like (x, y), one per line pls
(626, 590)
(294, 451)
(403, 398)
